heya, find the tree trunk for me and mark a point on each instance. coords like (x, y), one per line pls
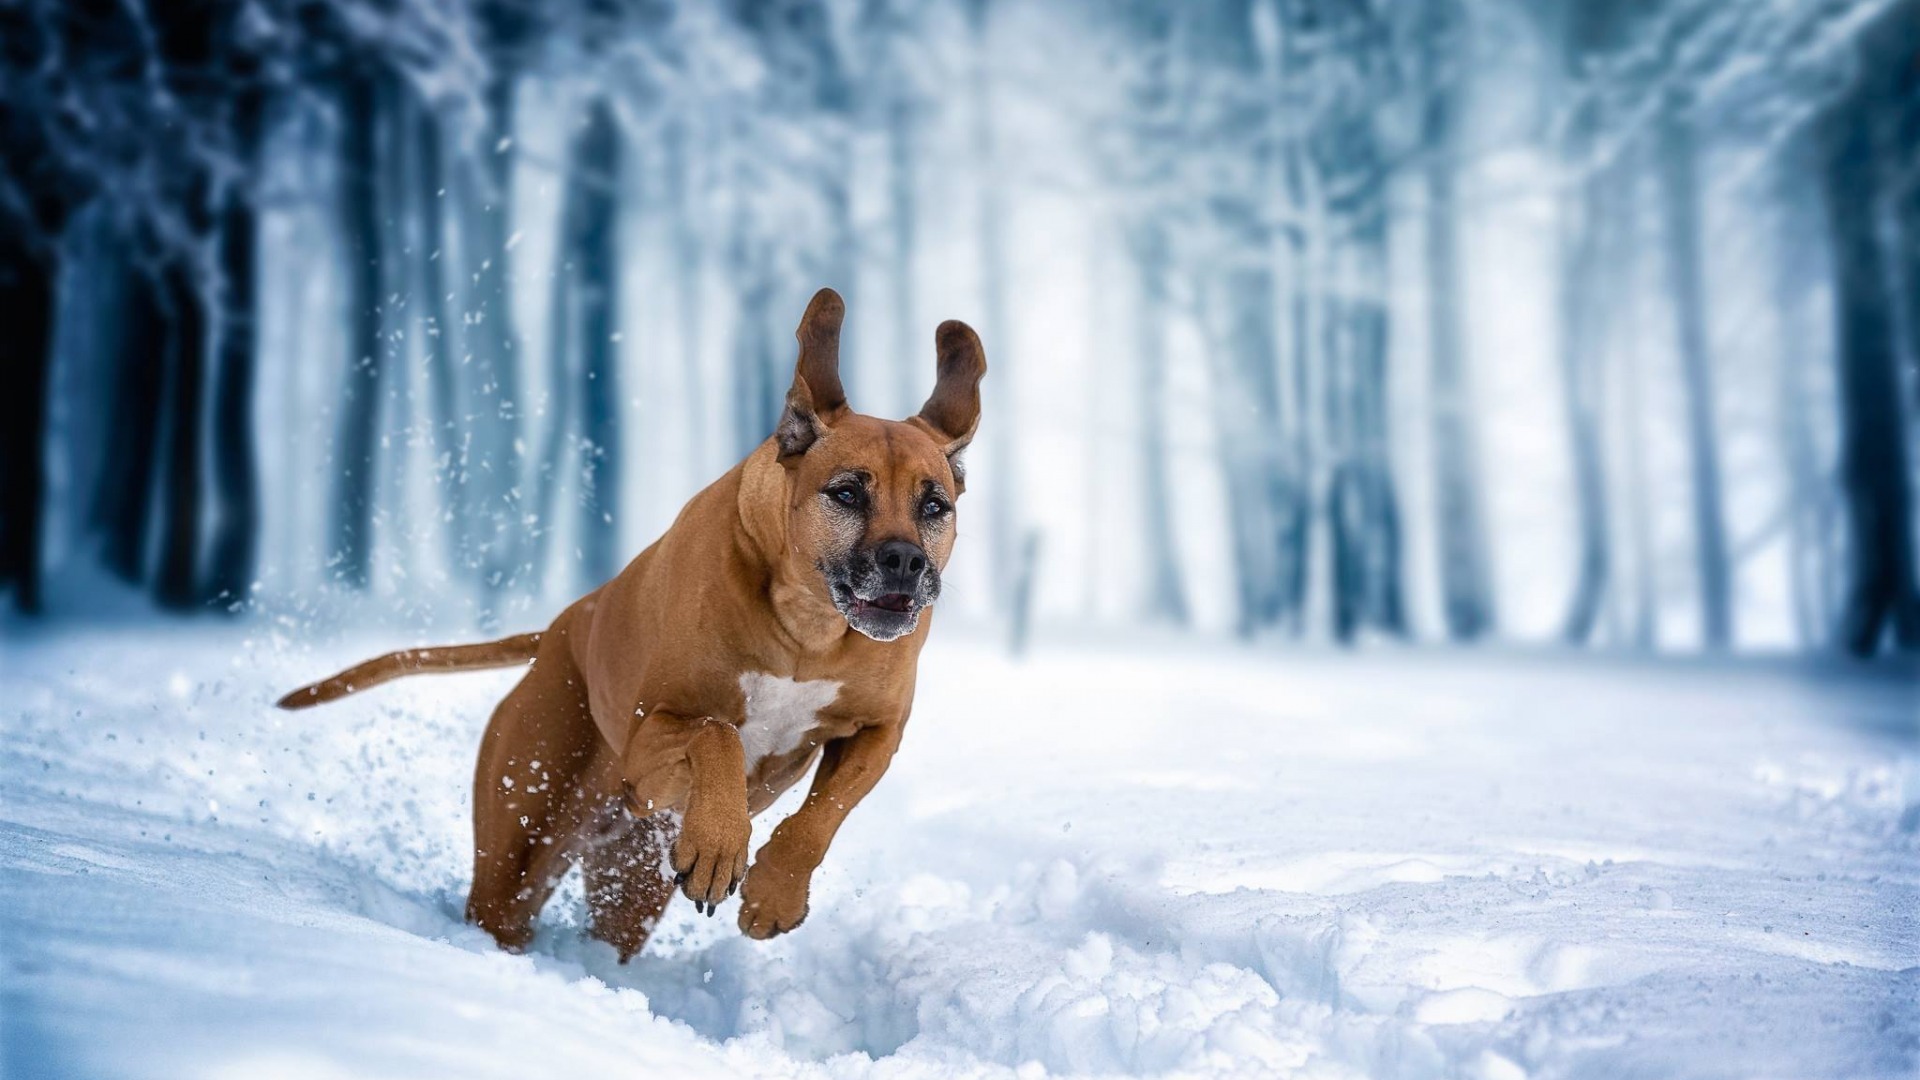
(176, 578)
(1296, 256)
(494, 458)
(1874, 471)
(683, 183)
(354, 443)
(597, 159)
(1680, 210)
(1384, 596)
(1247, 427)
(27, 307)
(234, 546)
(757, 380)
(1635, 487)
(1903, 101)
(123, 500)
(1646, 613)
(903, 212)
(399, 333)
(442, 344)
(1244, 317)
(1004, 528)
(1583, 310)
(1465, 574)
(1794, 281)
(562, 371)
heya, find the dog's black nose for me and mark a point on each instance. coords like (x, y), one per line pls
(902, 563)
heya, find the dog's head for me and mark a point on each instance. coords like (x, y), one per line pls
(871, 502)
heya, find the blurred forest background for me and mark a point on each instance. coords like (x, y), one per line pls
(1346, 320)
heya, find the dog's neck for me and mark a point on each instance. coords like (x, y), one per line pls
(800, 604)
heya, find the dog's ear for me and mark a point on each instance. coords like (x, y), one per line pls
(953, 411)
(816, 399)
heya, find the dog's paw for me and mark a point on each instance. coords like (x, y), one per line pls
(773, 900)
(710, 857)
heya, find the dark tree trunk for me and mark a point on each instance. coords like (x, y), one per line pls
(1296, 480)
(1346, 515)
(1384, 597)
(1363, 520)
(759, 381)
(176, 580)
(1875, 471)
(1903, 101)
(354, 443)
(1909, 215)
(123, 500)
(442, 343)
(493, 460)
(1362, 508)
(562, 372)
(597, 160)
(683, 198)
(398, 156)
(1680, 211)
(26, 309)
(234, 547)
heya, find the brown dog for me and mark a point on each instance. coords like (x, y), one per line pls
(780, 619)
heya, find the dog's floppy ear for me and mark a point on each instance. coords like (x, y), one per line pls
(953, 411)
(816, 399)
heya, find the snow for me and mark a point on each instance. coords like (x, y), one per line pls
(1131, 857)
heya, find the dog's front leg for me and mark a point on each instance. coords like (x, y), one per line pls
(774, 898)
(698, 767)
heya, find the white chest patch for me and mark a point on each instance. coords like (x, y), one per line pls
(780, 712)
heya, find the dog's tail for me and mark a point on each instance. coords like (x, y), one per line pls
(493, 654)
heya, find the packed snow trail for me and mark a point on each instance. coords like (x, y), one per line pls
(1144, 858)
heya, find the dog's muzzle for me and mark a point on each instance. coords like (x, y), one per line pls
(883, 590)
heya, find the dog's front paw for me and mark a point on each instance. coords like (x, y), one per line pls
(710, 857)
(774, 899)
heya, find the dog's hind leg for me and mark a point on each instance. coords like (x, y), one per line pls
(533, 792)
(629, 881)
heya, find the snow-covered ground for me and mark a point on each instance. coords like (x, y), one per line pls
(1141, 858)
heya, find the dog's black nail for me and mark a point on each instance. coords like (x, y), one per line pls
(680, 878)
(731, 889)
(711, 908)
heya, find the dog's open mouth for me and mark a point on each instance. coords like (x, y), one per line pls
(897, 603)
(883, 617)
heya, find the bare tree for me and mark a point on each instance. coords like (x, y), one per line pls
(1875, 469)
(1465, 574)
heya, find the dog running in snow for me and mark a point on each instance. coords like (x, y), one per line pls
(778, 621)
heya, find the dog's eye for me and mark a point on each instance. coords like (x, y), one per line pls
(845, 495)
(933, 508)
